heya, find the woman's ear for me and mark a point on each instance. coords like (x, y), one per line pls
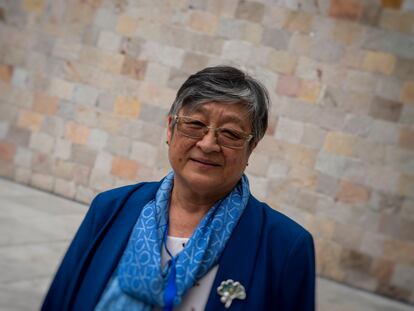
(251, 147)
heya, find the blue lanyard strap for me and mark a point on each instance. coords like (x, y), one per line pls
(171, 290)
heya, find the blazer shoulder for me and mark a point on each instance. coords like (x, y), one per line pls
(107, 202)
(121, 193)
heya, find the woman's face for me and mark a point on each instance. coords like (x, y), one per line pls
(201, 165)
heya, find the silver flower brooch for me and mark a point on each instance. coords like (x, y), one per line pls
(229, 290)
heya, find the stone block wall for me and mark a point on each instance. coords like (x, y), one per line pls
(85, 86)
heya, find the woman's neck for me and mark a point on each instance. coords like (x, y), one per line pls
(186, 212)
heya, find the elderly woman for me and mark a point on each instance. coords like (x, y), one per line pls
(198, 239)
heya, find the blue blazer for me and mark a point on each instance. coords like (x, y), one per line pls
(268, 253)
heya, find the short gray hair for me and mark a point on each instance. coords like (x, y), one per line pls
(226, 84)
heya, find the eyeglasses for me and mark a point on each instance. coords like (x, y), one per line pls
(226, 137)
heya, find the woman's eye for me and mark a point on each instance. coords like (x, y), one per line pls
(195, 124)
(231, 134)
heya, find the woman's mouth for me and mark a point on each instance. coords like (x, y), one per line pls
(205, 162)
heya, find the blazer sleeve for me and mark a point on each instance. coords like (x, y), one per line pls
(299, 276)
(65, 280)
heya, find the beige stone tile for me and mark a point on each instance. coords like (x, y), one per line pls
(310, 91)
(334, 75)
(401, 159)
(404, 68)
(86, 116)
(85, 194)
(126, 25)
(320, 227)
(61, 88)
(41, 142)
(383, 132)
(374, 153)
(204, 22)
(237, 51)
(64, 188)
(407, 209)
(134, 68)
(23, 157)
(406, 185)
(100, 180)
(389, 87)
(258, 186)
(375, 178)
(352, 193)
(407, 93)
(372, 244)
(407, 115)
(329, 254)
(252, 32)
(76, 133)
(299, 44)
(124, 168)
(399, 251)
(33, 6)
(288, 85)
(303, 177)
(81, 174)
(289, 130)
(42, 181)
(406, 140)
(156, 95)
(396, 20)
(351, 10)
(403, 276)
(7, 151)
(144, 153)
(54, 126)
(127, 107)
(360, 81)
(6, 72)
(252, 11)
(298, 21)
(222, 8)
(308, 68)
(379, 62)
(30, 120)
(194, 62)
(346, 32)
(282, 62)
(66, 49)
(339, 143)
(83, 155)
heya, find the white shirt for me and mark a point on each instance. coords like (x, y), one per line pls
(196, 297)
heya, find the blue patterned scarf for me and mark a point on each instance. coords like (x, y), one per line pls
(140, 282)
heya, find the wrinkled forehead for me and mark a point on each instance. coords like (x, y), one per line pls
(206, 107)
(223, 112)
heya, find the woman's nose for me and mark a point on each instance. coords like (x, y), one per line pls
(208, 143)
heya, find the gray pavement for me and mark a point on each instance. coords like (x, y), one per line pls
(36, 227)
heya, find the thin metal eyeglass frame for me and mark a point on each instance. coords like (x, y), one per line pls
(246, 139)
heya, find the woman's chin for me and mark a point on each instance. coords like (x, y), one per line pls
(204, 183)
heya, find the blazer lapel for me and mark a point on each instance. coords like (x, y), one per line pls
(110, 244)
(238, 259)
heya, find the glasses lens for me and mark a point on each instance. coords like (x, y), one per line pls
(230, 138)
(191, 127)
(225, 137)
